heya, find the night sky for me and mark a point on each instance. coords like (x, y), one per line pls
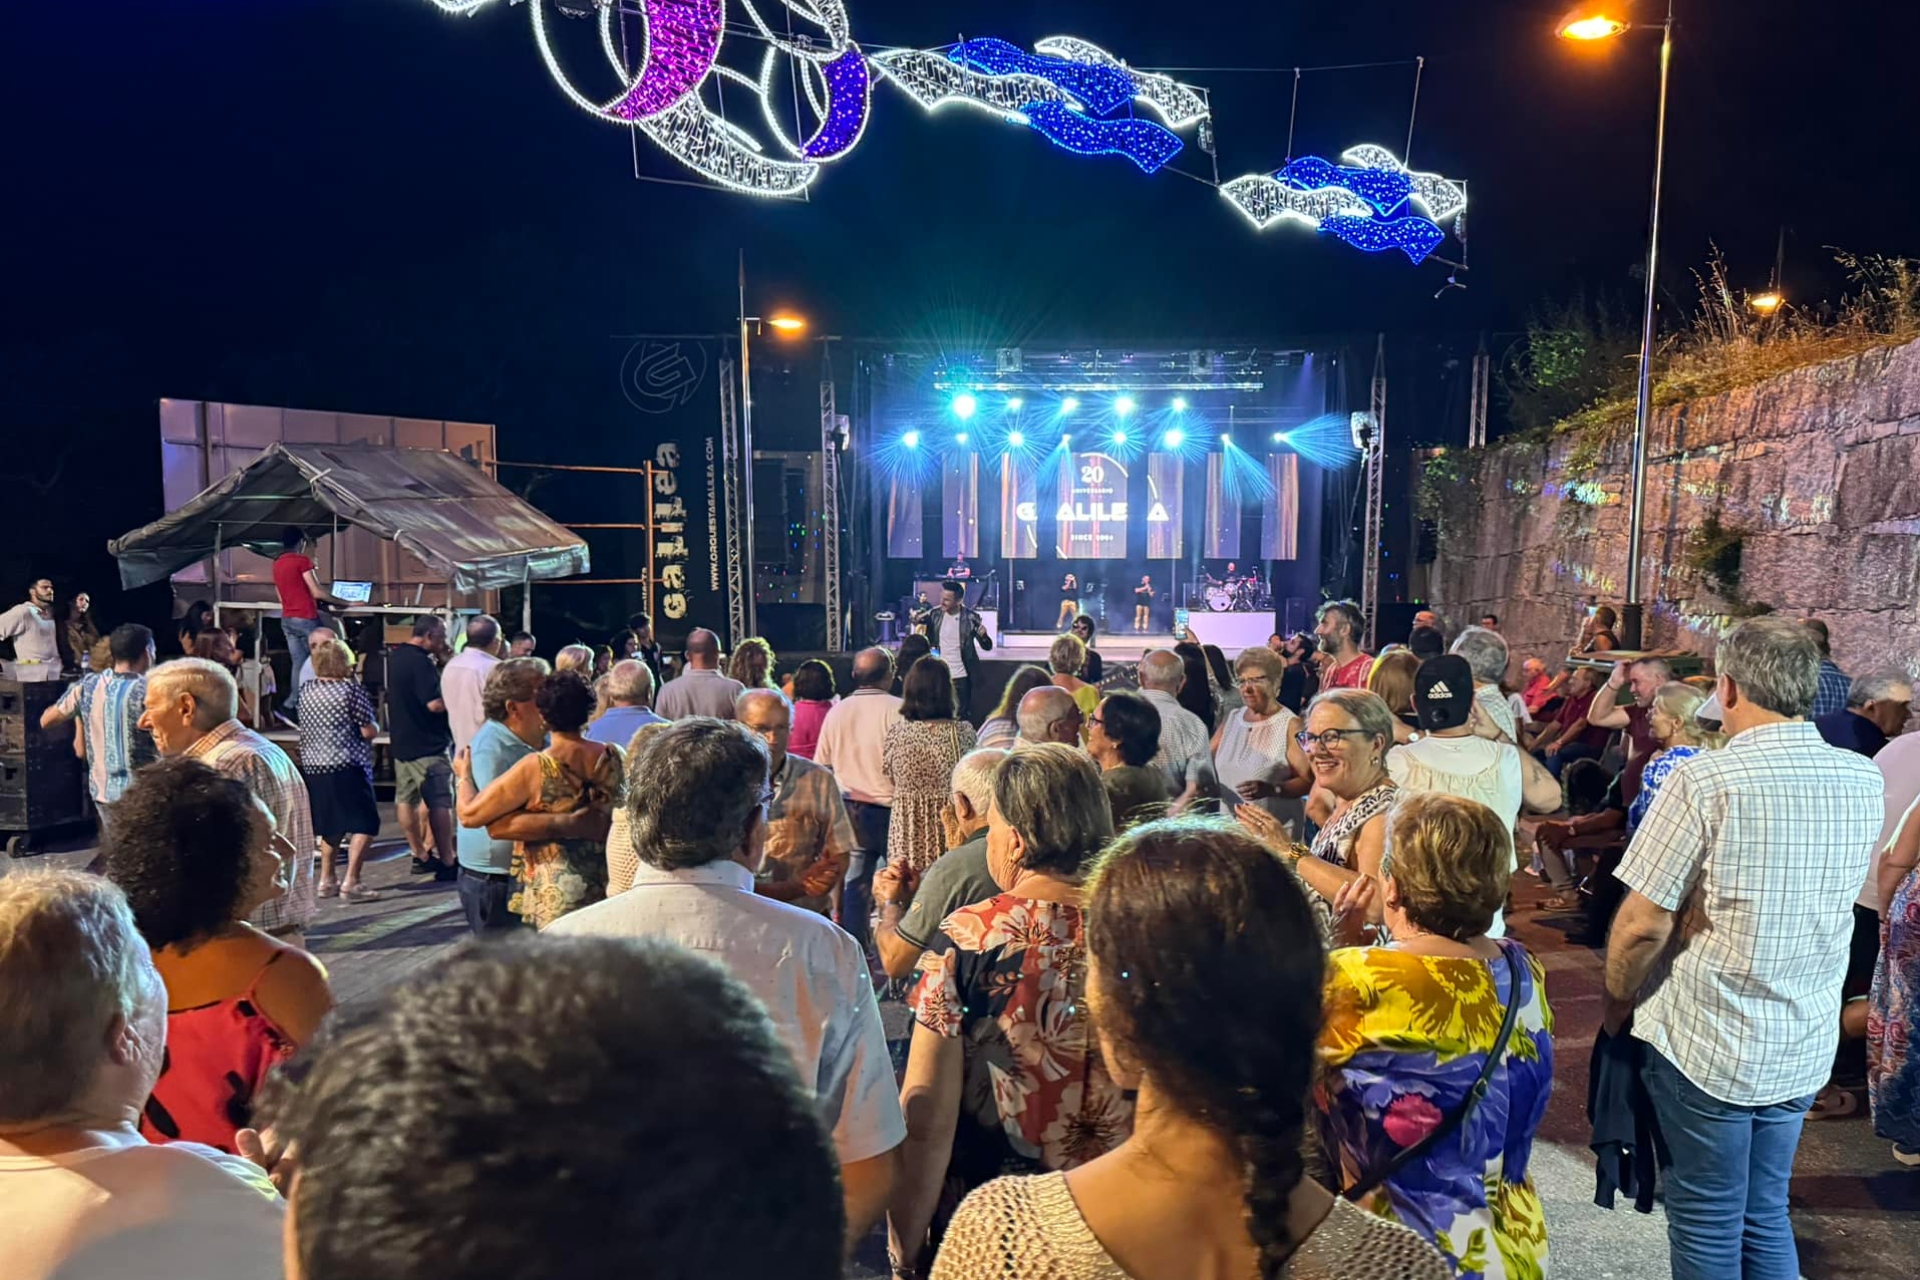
(370, 205)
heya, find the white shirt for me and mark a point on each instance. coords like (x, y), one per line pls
(178, 1211)
(809, 973)
(1899, 765)
(36, 651)
(1183, 736)
(950, 641)
(850, 741)
(461, 681)
(1498, 708)
(1470, 767)
(1765, 844)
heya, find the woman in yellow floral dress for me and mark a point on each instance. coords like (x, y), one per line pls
(554, 877)
(1407, 1033)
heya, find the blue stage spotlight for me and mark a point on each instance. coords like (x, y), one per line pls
(1065, 440)
(1279, 437)
(911, 439)
(1179, 404)
(960, 438)
(1123, 406)
(1120, 436)
(1015, 439)
(1015, 403)
(1175, 437)
(1068, 405)
(1226, 441)
(963, 405)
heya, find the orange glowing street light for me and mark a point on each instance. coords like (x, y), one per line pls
(1767, 303)
(1585, 23)
(787, 324)
(1601, 20)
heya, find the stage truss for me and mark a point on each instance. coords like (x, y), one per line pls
(1374, 459)
(730, 464)
(830, 503)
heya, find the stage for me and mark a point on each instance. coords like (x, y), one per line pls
(1233, 632)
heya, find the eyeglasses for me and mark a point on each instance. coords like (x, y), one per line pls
(1329, 740)
(1096, 720)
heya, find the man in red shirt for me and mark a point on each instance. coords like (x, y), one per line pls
(1338, 628)
(300, 596)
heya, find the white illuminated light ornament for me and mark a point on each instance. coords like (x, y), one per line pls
(662, 97)
(1176, 104)
(1266, 198)
(934, 80)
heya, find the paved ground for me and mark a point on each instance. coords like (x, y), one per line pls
(1856, 1212)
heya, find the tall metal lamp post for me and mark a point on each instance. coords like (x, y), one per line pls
(1602, 21)
(788, 325)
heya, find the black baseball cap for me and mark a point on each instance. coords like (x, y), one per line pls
(1443, 692)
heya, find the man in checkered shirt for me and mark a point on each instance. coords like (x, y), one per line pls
(190, 705)
(1729, 952)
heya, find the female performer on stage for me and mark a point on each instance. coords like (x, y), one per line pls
(1142, 603)
(1069, 603)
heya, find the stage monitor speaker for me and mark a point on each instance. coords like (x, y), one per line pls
(42, 783)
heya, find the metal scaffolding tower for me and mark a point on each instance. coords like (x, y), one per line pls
(830, 502)
(730, 467)
(1375, 457)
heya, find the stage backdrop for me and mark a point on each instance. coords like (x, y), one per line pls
(1091, 515)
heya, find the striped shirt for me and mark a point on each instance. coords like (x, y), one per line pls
(108, 705)
(1760, 849)
(1831, 695)
(239, 752)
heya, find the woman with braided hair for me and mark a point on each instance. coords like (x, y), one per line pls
(1213, 1023)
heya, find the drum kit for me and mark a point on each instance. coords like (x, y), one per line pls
(1244, 594)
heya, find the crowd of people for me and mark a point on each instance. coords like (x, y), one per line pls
(1205, 958)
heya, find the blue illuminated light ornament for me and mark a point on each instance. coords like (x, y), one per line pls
(1147, 144)
(1415, 237)
(1360, 203)
(1385, 190)
(1074, 94)
(1104, 89)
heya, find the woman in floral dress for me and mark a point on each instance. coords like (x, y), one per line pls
(1002, 1074)
(1408, 1030)
(919, 753)
(554, 877)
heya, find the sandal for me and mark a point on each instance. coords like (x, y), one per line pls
(1569, 901)
(1834, 1103)
(360, 893)
(328, 891)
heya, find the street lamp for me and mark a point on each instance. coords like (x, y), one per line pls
(1601, 21)
(787, 325)
(1767, 303)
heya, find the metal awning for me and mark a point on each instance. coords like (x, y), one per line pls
(433, 504)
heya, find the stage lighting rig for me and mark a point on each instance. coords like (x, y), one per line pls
(911, 439)
(964, 405)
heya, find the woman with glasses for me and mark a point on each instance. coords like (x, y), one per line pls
(1254, 752)
(1348, 734)
(1122, 735)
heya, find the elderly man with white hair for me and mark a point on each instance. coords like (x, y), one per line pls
(83, 1033)
(190, 704)
(1184, 736)
(912, 906)
(1048, 714)
(809, 836)
(1487, 657)
(630, 698)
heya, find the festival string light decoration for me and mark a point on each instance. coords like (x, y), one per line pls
(1077, 95)
(1355, 203)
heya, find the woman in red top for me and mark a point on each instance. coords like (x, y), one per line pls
(300, 598)
(812, 699)
(196, 855)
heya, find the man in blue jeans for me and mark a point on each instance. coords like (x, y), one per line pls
(851, 739)
(1763, 846)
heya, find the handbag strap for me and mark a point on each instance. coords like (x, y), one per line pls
(1460, 1113)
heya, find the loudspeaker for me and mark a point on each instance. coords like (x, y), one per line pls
(42, 783)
